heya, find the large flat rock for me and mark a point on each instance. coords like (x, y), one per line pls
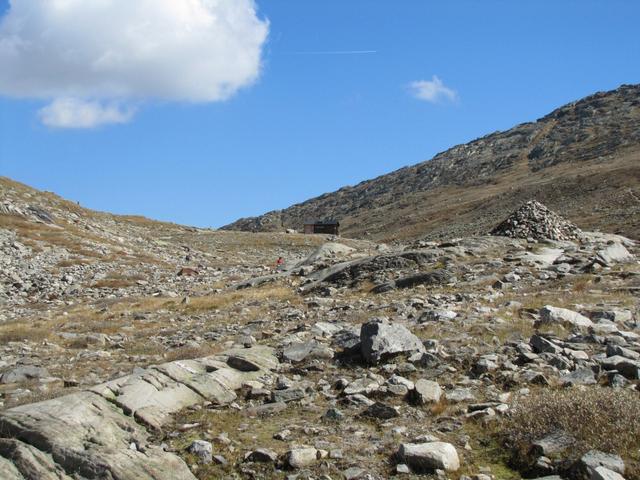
(33, 463)
(151, 397)
(90, 437)
(102, 433)
(8, 471)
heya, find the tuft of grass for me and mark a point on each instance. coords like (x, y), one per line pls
(597, 418)
(18, 331)
(114, 283)
(227, 299)
(71, 262)
(186, 353)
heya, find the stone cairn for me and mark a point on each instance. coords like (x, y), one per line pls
(534, 220)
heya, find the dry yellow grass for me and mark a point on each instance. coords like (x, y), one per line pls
(23, 330)
(223, 300)
(597, 418)
(71, 262)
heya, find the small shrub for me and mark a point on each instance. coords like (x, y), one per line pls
(597, 418)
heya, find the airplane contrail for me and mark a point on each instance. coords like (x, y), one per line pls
(337, 52)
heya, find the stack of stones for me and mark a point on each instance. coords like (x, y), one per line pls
(534, 220)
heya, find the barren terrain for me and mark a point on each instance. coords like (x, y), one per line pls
(134, 349)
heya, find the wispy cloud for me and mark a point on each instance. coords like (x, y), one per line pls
(336, 52)
(433, 90)
(76, 113)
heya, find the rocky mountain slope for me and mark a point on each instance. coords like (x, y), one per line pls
(582, 160)
(140, 350)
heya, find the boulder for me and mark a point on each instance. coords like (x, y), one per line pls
(581, 376)
(381, 411)
(614, 253)
(563, 316)
(24, 373)
(381, 340)
(593, 459)
(541, 344)
(203, 450)
(262, 455)
(312, 350)
(630, 369)
(553, 444)
(426, 391)
(428, 457)
(252, 359)
(301, 457)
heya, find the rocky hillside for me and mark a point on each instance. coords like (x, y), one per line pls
(581, 160)
(139, 350)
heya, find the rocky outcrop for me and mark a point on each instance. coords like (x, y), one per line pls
(102, 433)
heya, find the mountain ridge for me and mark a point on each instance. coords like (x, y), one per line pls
(600, 128)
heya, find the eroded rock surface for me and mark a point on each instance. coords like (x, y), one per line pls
(102, 433)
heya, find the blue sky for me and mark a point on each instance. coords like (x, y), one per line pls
(314, 122)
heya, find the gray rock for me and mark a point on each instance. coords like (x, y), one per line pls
(460, 395)
(333, 415)
(617, 350)
(426, 391)
(203, 450)
(563, 316)
(602, 473)
(301, 457)
(27, 461)
(354, 473)
(630, 369)
(381, 411)
(252, 359)
(428, 457)
(262, 455)
(24, 373)
(484, 365)
(437, 277)
(614, 253)
(85, 433)
(594, 459)
(8, 471)
(543, 345)
(553, 444)
(581, 376)
(312, 350)
(534, 220)
(151, 397)
(288, 395)
(613, 315)
(437, 316)
(381, 340)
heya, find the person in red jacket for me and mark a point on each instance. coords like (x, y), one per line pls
(279, 264)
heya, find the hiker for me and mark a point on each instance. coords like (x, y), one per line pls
(279, 264)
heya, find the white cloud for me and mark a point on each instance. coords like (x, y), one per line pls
(433, 90)
(126, 51)
(75, 113)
